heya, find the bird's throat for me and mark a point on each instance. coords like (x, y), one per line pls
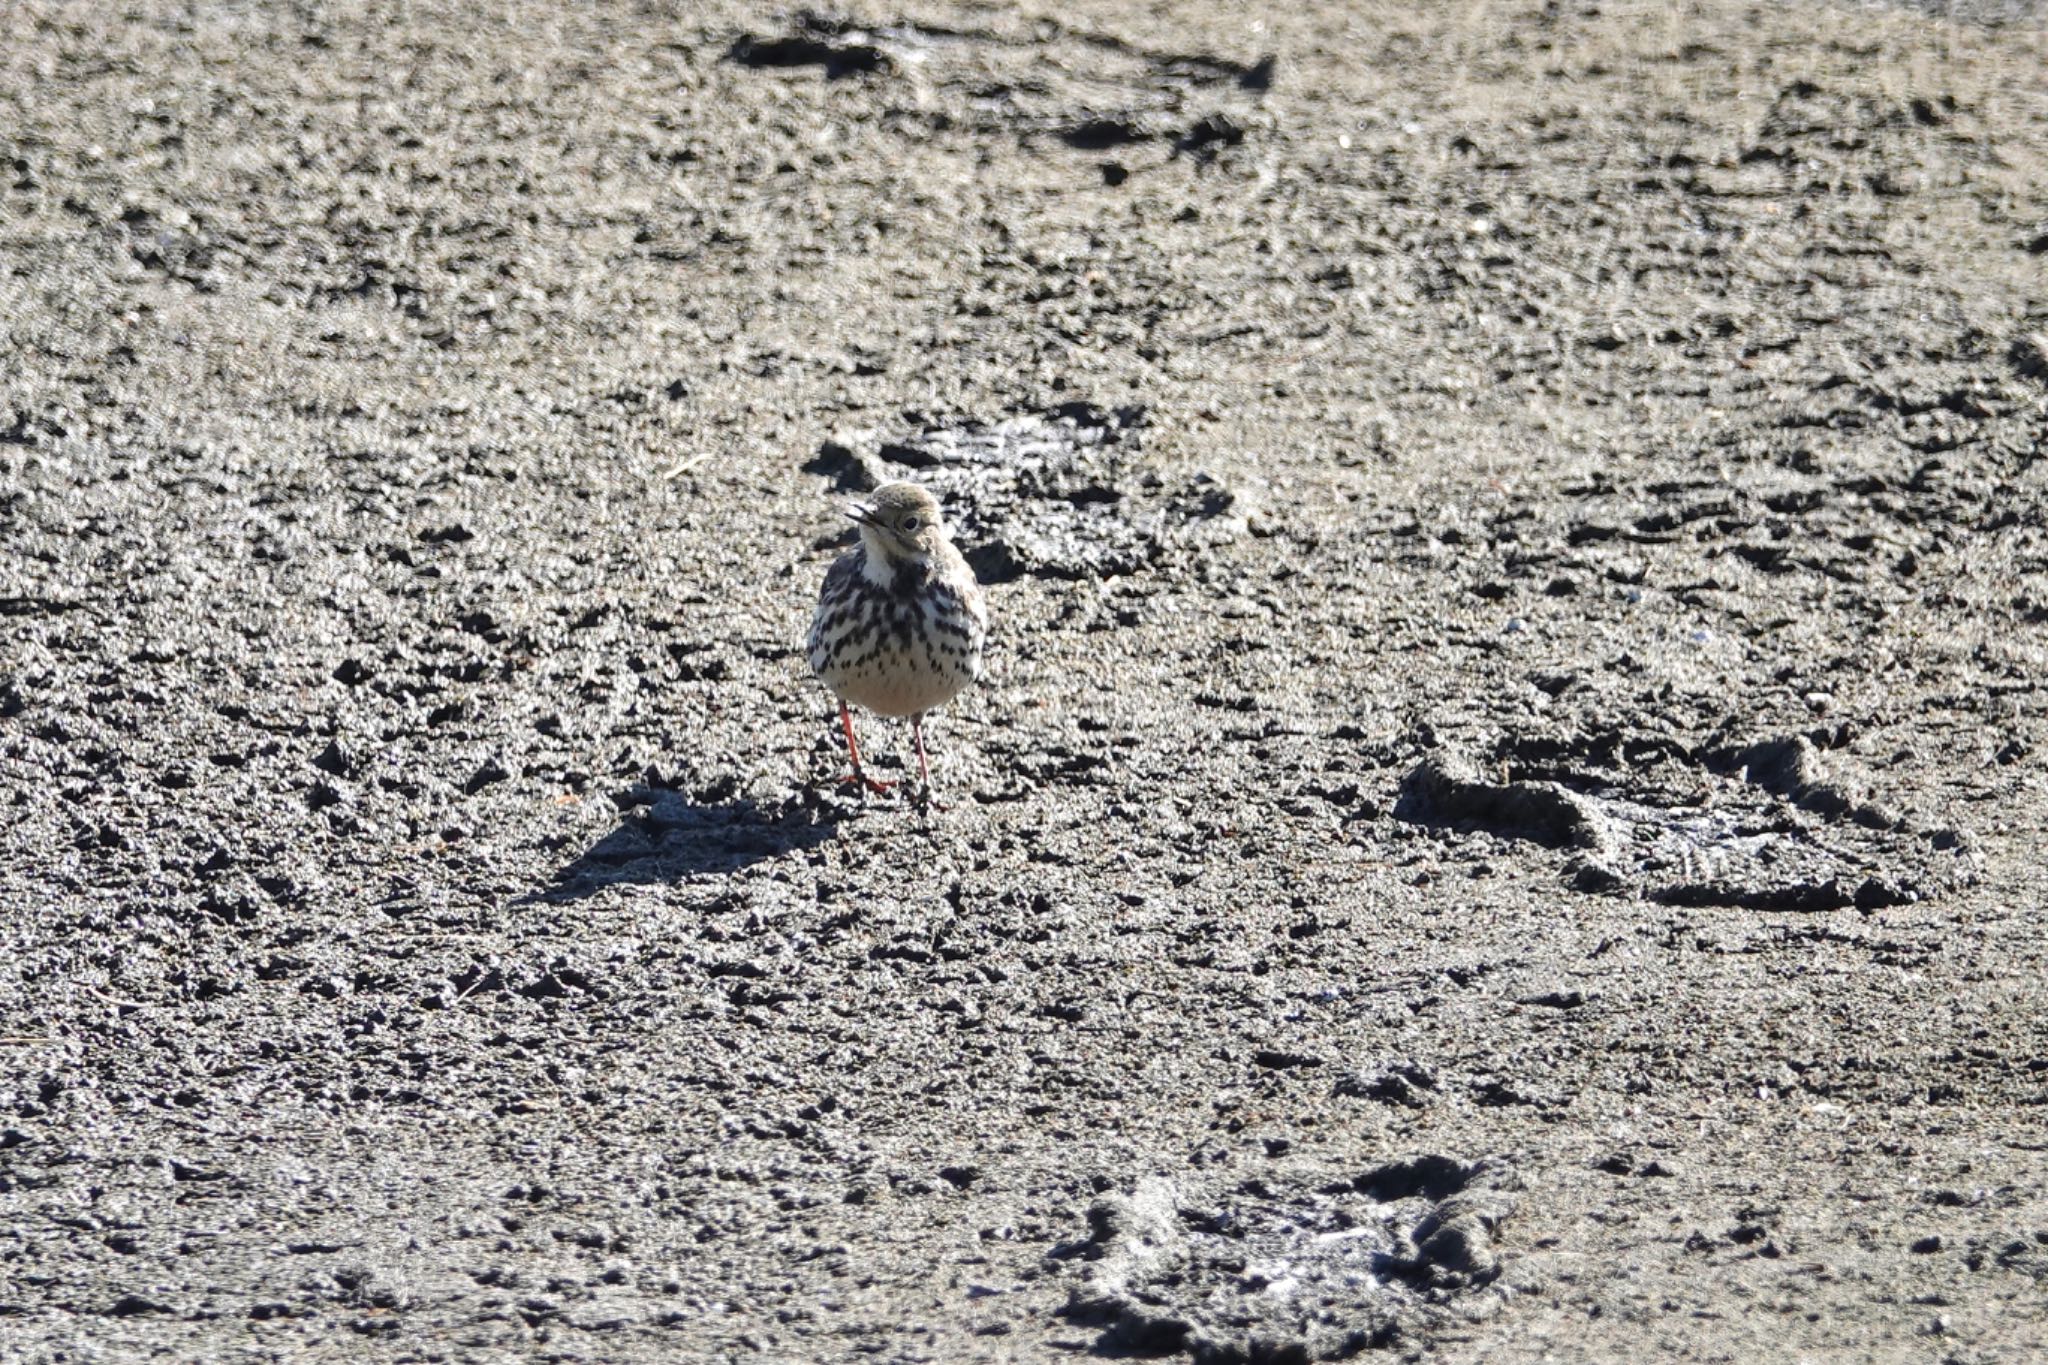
(889, 568)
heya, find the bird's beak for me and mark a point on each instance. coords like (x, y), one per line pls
(862, 512)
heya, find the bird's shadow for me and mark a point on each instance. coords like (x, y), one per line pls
(664, 836)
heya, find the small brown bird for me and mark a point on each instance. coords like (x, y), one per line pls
(900, 621)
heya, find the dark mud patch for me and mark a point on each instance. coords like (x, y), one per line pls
(996, 80)
(667, 837)
(1273, 1271)
(1057, 493)
(1449, 789)
(815, 40)
(1774, 825)
(1791, 766)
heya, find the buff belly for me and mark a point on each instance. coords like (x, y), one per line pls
(888, 687)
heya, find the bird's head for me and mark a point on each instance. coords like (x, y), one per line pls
(899, 521)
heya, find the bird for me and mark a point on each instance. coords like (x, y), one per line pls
(901, 620)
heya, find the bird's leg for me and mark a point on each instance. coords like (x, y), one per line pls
(853, 749)
(924, 766)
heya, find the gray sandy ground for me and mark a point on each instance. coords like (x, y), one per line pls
(1503, 823)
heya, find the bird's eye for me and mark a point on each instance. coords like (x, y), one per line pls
(911, 523)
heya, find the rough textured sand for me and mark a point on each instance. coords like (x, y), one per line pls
(1505, 820)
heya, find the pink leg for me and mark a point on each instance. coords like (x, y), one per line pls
(924, 766)
(853, 749)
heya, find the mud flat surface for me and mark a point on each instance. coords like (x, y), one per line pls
(1504, 824)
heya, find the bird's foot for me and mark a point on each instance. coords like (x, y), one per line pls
(867, 784)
